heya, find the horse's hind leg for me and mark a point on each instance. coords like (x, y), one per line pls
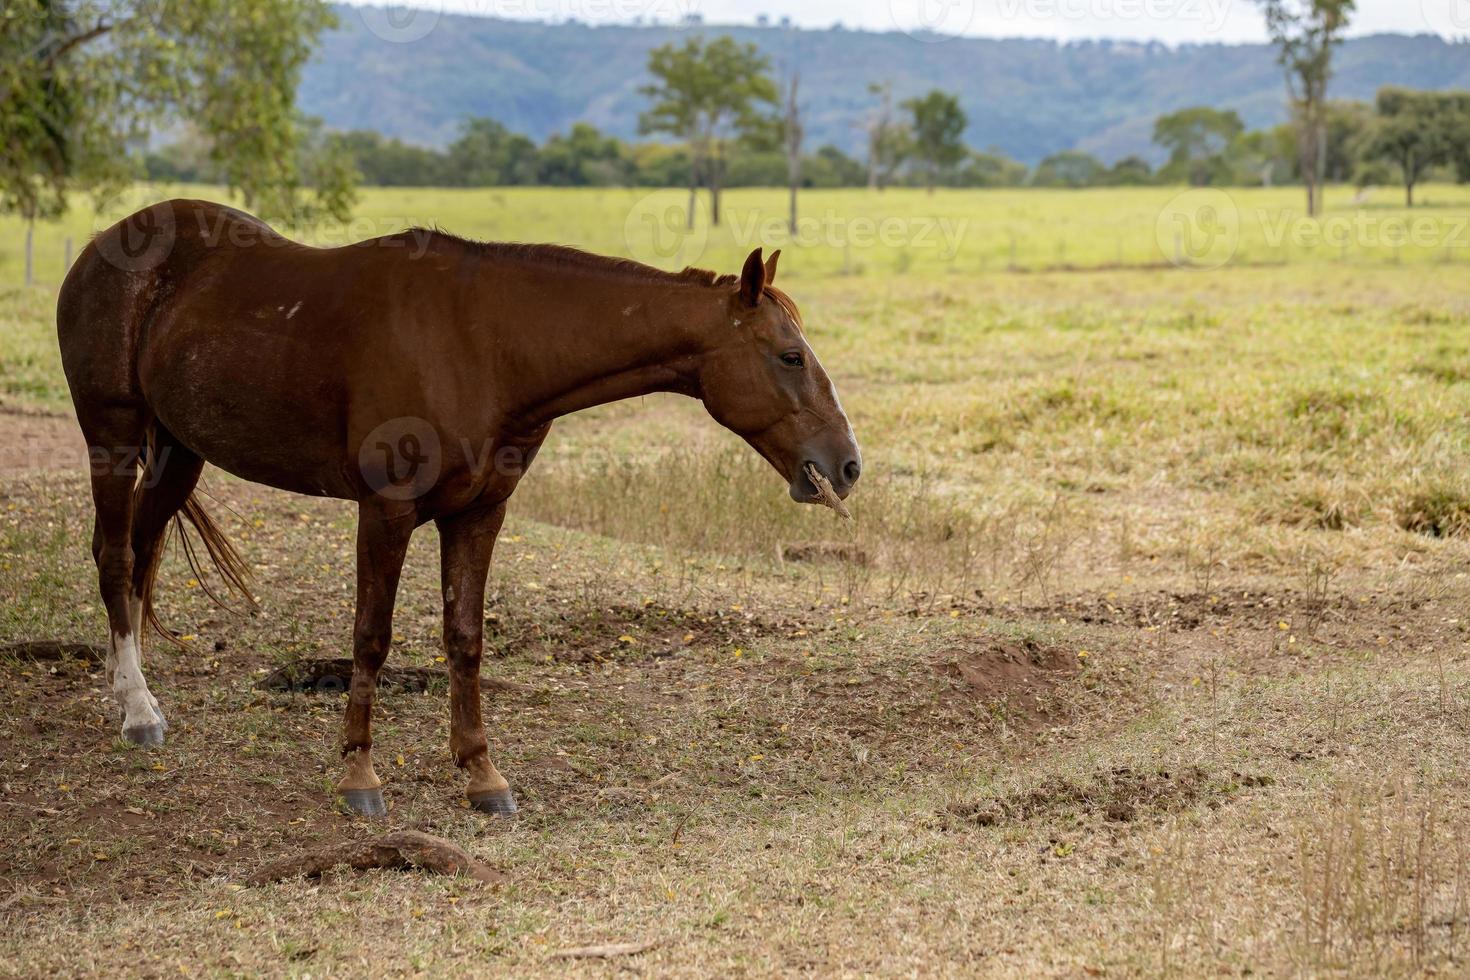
(115, 439)
(168, 479)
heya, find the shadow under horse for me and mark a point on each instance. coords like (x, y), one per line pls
(416, 374)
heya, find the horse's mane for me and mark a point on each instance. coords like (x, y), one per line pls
(565, 256)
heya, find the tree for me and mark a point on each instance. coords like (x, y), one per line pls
(1199, 141)
(938, 127)
(888, 141)
(1414, 131)
(325, 163)
(49, 141)
(791, 132)
(830, 167)
(1069, 168)
(394, 163)
(990, 169)
(487, 154)
(82, 80)
(707, 94)
(585, 157)
(1305, 32)
(1131, 171)
(1348, 124)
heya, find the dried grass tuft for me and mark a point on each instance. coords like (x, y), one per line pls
(825, 494)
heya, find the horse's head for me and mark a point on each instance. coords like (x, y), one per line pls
(763, 382)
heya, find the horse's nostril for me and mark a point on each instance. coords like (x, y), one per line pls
(852, 469)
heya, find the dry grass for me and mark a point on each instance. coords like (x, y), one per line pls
(1146, 655)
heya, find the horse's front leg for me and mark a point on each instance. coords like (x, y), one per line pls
(465, 542)
(383, 531)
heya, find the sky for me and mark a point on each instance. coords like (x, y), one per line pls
(1171, 21)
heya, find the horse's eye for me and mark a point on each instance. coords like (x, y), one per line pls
(793, 359)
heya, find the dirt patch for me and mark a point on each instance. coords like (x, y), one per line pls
(54, 650)
(629, 632)
(334, 676)
(825, 551)
(1017, 679)
(36, 441)
(1121, 795)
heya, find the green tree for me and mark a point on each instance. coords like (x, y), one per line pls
(1199, 141)
(707, 94)
(1348, 125)
(830, 167)
(991, 169)
(1414, 132)
(487, 154)
(1305, 33)
(50, 143)
(1131, 171)
(325, 163)
(1069, 168)
(584, 158)
(888, 140)
(938, 126)
(82, 80)
(393, 163)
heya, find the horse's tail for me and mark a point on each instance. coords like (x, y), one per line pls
(222, 555)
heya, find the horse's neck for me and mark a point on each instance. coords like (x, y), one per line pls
(623, 340)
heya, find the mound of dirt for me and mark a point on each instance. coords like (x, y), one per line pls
(1123, 794)
(825, 551)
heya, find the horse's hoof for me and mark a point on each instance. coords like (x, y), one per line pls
(495, 801)
(148, 735)
(365, 802)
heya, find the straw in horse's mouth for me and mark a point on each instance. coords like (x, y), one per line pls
(826, 496)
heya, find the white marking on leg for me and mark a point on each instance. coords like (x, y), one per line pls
(129, 686)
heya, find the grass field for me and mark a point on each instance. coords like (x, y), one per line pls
(1146, 655)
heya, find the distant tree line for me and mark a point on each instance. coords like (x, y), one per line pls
(1404, 138)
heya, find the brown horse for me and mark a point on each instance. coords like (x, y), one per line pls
(416, 374)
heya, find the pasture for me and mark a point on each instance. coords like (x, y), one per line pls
(1148, 652)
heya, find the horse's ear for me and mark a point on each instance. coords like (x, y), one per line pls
(771, 267)
(752, 280)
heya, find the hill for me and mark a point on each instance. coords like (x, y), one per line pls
(1028, 98)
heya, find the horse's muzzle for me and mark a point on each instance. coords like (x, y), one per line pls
(842, 475)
